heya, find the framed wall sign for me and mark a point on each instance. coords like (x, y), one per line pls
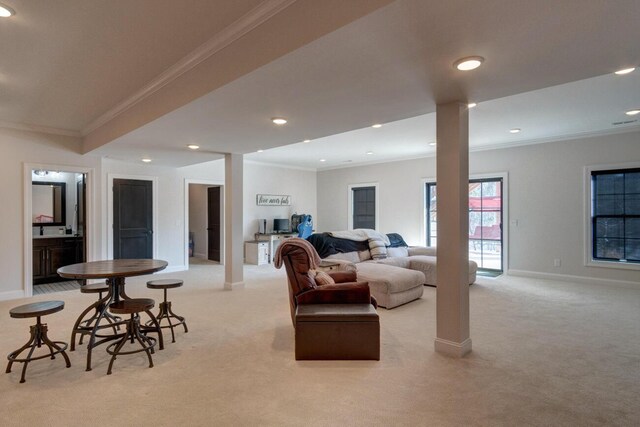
(273, 200)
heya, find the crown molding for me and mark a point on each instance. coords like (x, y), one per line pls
(514, 144)
(224, 38)
(559, 138)
(279, 165)
(39, 129)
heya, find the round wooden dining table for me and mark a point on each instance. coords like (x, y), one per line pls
(114, 271)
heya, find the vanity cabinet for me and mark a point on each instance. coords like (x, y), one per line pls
(51, 253)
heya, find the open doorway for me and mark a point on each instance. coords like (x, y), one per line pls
(56, 225)
(205, 222)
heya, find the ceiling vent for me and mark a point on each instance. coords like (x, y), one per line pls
(626, 122)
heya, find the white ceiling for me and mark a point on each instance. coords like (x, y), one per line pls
(586, 107)
(66, 63)
(547, 70)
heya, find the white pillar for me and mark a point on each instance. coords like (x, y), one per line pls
(452, 178)
(233, 233)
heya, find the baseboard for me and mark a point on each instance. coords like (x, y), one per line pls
(233, 285)
(10, 295)
(575, 279)
(199, 255)
(451, 348)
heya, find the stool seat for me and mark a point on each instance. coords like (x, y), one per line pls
(94, 288)
(36, 309)
(164, 284)
(131, 306)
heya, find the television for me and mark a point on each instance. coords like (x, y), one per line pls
(281, 225)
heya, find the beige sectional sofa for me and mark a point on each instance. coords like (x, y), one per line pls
(399, 278)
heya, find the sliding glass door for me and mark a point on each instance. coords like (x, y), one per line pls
(485, 222)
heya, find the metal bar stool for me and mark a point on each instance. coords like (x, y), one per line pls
(133, 333)
(38, 334)
(165, 306)
(85, 326)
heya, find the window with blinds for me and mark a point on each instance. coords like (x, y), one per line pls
(364, 207)
(615, 216)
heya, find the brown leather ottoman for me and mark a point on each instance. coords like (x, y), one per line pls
(337, 332)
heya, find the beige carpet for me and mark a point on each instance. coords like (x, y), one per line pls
(544, 353)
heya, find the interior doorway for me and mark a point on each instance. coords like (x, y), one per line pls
(56, 216)
(205, 213)
(214, 217)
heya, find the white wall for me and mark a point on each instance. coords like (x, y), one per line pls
(266, 179)
(20, 147)
(545, 195)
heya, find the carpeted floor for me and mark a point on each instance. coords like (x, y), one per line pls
(544, 353)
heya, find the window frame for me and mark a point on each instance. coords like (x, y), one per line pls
(589, 245)
(350, 188)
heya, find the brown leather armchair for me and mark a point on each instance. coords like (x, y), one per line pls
(296, 255)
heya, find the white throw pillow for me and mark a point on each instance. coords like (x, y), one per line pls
(377, 248)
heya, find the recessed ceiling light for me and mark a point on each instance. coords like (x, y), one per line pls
(369, 153)
(632, 112)
(146, 160)
(625, 71)
(471, 104)
(306, 141)
(515, 130)
(260, 151)
(6, 11)
(279, 120)
(432, 144)
(468, 63)
(193, 146)
(376, 126)
(323, 160)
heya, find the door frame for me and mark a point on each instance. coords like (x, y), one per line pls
(154, 204)
(505, 212)
(220, 184)
(27, 269)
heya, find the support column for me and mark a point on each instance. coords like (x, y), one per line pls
(233, 221)
(452, 177)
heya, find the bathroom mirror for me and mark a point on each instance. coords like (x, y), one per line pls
(48, 203)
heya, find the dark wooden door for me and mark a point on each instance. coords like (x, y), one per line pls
(132, 219)
(213, 223)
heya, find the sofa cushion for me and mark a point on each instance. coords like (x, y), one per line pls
(422, 250)
(364, 255)
(402, 262)
(388, 279)
(377, 248)
(427, 265)
(391, 286)
(347, 256)
(397, 252)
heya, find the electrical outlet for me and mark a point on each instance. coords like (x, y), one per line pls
(556, 262)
